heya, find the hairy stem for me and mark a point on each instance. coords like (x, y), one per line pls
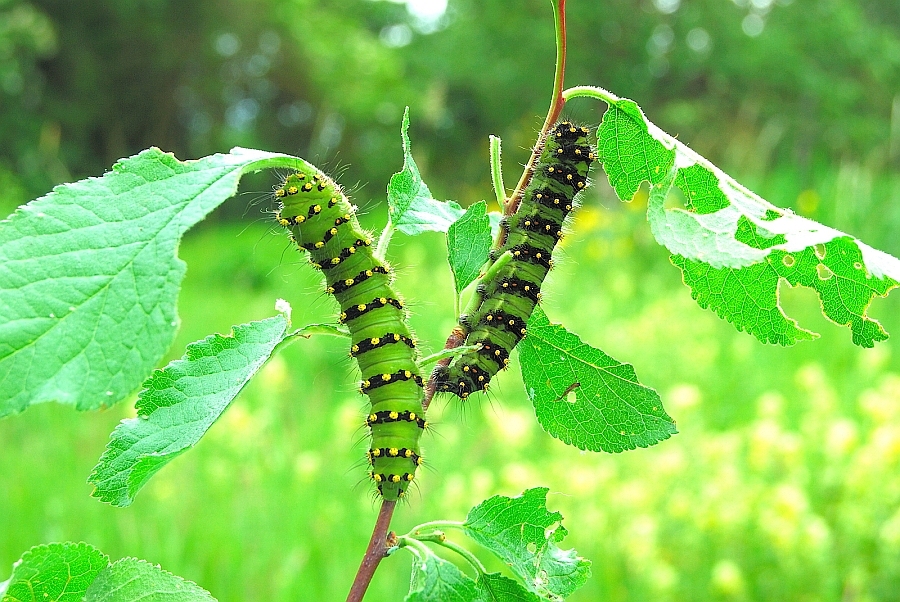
(497, 171)
(377, 550)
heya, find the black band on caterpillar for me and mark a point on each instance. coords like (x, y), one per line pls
(509, 296)
(321, 221)
(390, 338)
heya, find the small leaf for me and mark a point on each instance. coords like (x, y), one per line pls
(494, 587)
(732, 246)
(611, 410)
(523, 533)
(89, 276)
(468, 243)
(131, 579)
(54, 572)
(411, 208)
(436, 580)
(179, 404)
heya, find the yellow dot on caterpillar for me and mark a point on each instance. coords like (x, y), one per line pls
(348, 282)
(410, 476)
(581, 184)
(419, 461)
(527, 287)
(407, 374)
(577, 151)
(556, 201)
(464, 395)
(279, 193)
(346, 217)
(332, 202)
(412, 415)
(292, 190)
(317, 209)
(368, 272)
(352, 250)
(383, 300)
(480, 379)
(299, 219)
(506, 362)
(548, 227)
(361, 307)
(333, 231)
(395, 478)
(284, 222)
(335, 261)
(550, 170)
(572, 129)
(372, 417)
(425, 424)
(355, 348)
(374, 341)
(343, 316)
(538, 255)
(376, 452)
(330, 290)
(393, 452)
(386, 378)
(320, 244)
(559, 151)
(569, 177)
(489, 317)
(394, 415)
(466, 368)
(397, 337)
(307, 187)
(407, 453)
(568, 207)
(498, 353)
(300, 175)
(365, 385)
(522, 331)
(376, 477)
(517, 253)
(506, 285)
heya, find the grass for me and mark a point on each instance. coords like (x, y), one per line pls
(782, 484)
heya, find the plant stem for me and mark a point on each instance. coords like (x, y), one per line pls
(497, 171)
(374, 553)
(435, 524)
(590, 92)
(438, 538)
(384, 240)
(556, 104)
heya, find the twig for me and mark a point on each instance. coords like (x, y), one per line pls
(377, 550)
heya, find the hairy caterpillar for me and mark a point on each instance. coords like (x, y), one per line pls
(521, 262)
(322, 221)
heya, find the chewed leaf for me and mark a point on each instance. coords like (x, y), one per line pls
(523, 533)
(56, 572)
(733, 247)
(180, 403)
(436, 580)
(583, 396)
(89, 275)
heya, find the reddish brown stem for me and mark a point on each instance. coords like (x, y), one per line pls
(378, 547)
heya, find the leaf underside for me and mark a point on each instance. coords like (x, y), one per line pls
(733, 247)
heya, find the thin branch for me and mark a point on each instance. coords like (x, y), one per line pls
(378, 547)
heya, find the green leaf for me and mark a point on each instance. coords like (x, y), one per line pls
(54, 572)
(436, 580)
(733, 247)
(523, 533)
(494, 587)
(468, 243)
(180, 403)
(89, 276)
(131, 579)
(583, 396)
(411, 208)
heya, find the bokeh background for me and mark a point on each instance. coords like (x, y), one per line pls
(784, 483)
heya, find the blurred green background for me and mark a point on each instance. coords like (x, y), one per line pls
(784, 483)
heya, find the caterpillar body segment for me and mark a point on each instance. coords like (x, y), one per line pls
(508, 297)
(322, 222)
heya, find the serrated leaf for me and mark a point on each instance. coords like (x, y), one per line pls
(411, 208)
(523, 533)
(734, 247)
(131, 579)
(179, 404)
(494, 587)
(468, 244)
(611, 411)
(436, 580)
(89, 276)
(56, 572)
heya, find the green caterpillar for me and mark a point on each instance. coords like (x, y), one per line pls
(322, 221)
(521, 261)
